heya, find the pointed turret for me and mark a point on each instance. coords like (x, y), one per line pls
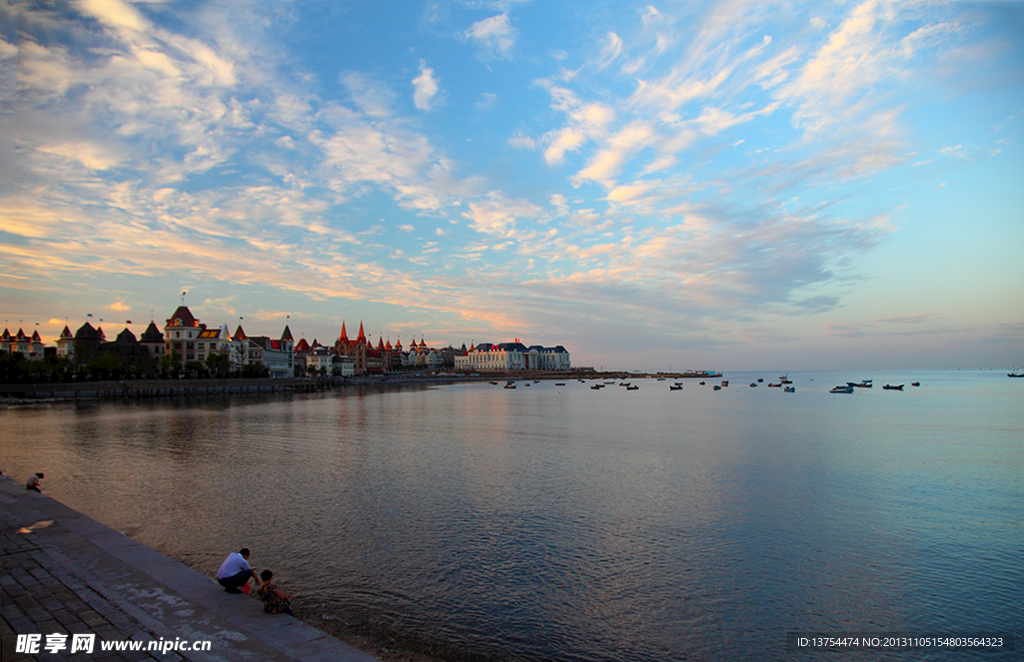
(380, 344)
(287, 335)
(66, 333)
(239, 334)
(344, 336)
(303, 346)
(362, 336)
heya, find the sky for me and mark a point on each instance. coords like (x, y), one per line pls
(653, 185)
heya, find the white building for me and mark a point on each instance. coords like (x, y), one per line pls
(506, 357)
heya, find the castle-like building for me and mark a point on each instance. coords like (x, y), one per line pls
(184, 339)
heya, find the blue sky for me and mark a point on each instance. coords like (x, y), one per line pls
(765, 185)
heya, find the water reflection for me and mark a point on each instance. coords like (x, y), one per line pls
(568, 524)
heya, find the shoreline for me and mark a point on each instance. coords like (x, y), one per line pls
(142, 389)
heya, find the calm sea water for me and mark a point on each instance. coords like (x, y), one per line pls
(562, 523)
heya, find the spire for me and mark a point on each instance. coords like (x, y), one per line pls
(344, 336)
(287, 335)
(380, 343)
(239, 334)
(362, 336)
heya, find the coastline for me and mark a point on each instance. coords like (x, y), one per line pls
(65, 572)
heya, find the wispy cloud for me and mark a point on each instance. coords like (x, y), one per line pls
(495, 36)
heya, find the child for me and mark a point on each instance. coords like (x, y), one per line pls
(274, 601)
(33, 482)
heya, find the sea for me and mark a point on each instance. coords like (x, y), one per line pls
(558, 522)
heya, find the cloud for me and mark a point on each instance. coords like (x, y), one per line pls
(845, 329)
(425, 87)
(495, 35)
(497, 215)
(908, 319)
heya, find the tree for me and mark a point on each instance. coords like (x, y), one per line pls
(218, 365)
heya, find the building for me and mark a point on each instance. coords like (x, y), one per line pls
(507, 357)
(277, 355)
(30, 347)
(354, 349)
(181, 335)
(152, 340)
(66, 343)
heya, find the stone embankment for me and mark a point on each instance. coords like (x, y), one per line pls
(63, 574)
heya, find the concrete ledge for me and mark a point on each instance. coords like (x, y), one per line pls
(90, 578)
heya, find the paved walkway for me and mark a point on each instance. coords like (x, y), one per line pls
(63, 573)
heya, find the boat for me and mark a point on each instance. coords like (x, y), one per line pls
(677, 387)
(784, 379)
(702, 383)
(509, 386)
(753, 384)
(790, 389)
(725, 382)
(494, 383)
(866, 383)
(915, 383)
(597, 387)
(890, 387)
(527, 384)
(717, 387)
(661, 379)
(842, 389)
(624, 384)
(559, 383)
(760, 380)
(1015, 373)
(632, 388)
(536, 381)
(779, 385)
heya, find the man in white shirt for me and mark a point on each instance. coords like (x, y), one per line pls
(235, 571)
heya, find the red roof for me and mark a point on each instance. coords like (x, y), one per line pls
(182, 317)
(239, 334)
(303, 346)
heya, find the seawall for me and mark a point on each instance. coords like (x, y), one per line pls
(66, 574)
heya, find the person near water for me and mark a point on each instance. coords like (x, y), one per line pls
(235, 572)
(274, 601)
(33, 482)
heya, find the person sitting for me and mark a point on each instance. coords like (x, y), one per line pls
(33, 482)
(235, 572)
(274, 601)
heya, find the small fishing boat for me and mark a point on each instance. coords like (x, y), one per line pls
(842, 389)
(890, 387)
(597, 387)
(790, 389)
(861, 384)
(717, 387)
(760, 380)
(779, 385)
(559, 383)
(725, 382)
(1015, 373)
(510, 385)
(632, 388)
(677, 387)
(702, 383)
(753, 384)
(784, 379)
(494, 383)
(915, 383)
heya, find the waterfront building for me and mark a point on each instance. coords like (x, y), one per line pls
(321, 360)
(30, 347)
(214, 342)
(181, 334)
(153, 341)
(277, 355)
(344, 366)
(354, 349)
(66, 343)
(505, 357)
(87, 343)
